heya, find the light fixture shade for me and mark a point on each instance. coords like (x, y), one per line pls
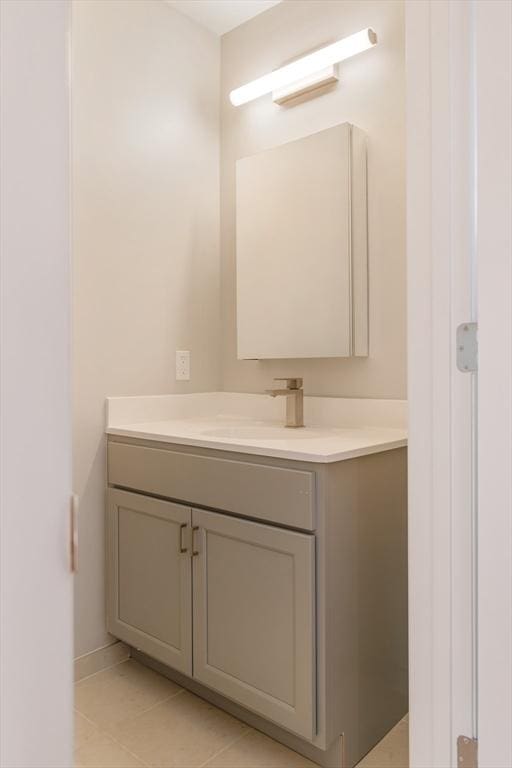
(307, 65)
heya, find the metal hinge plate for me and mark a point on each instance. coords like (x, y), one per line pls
(467, 347)
(467, 752)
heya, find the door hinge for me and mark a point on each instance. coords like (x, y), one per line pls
(73, 533)
(467, 752)
(467, 347)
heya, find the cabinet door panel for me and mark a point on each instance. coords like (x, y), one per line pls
(150, 586)
(254, 617)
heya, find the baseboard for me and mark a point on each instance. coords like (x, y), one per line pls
(102, 658)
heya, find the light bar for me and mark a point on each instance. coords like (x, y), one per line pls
(307, 65)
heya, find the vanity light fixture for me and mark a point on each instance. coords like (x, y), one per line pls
(310, 71)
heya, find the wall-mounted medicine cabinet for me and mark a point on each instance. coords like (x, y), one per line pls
(302, 248)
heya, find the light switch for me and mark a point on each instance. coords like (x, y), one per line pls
(182, 365)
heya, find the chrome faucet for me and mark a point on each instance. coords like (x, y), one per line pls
(294, 401)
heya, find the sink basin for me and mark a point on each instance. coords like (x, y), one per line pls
(338, 428)
(265, 433)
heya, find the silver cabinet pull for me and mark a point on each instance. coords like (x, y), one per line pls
(183, 527)
(194, 550)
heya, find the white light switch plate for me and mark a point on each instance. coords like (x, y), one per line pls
(182, 365)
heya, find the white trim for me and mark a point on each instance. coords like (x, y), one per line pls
(439, 232)
(494, 98)
(100, 659)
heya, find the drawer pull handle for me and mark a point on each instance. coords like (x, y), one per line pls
(194, 550)
(183, 549)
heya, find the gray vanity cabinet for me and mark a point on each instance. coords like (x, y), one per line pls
(150, 578)
(254, 622)
(246, 588)
(276, 589)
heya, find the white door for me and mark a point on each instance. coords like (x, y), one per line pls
(493, 39)
(36, 601)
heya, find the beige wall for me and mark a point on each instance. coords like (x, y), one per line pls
(370, 95)
(145, 235)
(147, 265)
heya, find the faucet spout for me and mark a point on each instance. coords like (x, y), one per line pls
(294, 401)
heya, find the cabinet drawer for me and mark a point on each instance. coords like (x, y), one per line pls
(275, 494)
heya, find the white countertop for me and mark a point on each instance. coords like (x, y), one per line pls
(337, 428)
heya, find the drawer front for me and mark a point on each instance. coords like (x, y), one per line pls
(276, 494)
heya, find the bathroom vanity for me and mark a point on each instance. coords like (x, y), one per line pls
(265, 568)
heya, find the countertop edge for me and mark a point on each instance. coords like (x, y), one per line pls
(277, 453)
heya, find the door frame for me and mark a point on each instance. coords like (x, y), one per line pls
(493, 41)
(442, 413)
(459, 243)
(440, 235)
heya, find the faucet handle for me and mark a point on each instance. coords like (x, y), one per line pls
(291, 383)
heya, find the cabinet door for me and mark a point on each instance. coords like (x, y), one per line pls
(254, 617)
(150, 577)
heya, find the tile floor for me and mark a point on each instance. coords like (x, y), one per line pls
(129, 716)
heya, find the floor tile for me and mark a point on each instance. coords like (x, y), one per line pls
(126, 690)
(84, 730)
(392, 751)
(183, 732)
(99, 660)
(255, 750)
(130, 717)
(102, 752)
